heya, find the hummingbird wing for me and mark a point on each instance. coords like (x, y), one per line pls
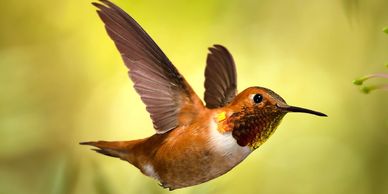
(220, 77)
(162, 88)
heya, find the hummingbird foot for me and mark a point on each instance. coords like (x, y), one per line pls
(165, 186)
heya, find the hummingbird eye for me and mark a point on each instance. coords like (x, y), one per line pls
(257, 98)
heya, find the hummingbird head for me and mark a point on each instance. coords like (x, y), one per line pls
(257, 111)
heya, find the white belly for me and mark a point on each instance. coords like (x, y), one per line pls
(225, 145)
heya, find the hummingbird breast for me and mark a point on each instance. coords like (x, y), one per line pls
(191, 155)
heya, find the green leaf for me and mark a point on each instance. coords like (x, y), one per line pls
(385, 30)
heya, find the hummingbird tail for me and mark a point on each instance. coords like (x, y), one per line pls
(118, 149)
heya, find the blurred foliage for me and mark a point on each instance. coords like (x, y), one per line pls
(352, 8)
(366, 89)
(385, 30)
(369, 88)
(65, 177)
(62, 81)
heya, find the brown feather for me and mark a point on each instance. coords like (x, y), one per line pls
(119, 149)
(220, 77)
(161, 87)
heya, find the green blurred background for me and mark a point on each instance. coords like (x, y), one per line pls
(62, 81)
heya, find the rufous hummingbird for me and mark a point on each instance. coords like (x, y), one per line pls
(193, 143)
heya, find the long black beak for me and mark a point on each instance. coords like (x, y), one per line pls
(299, 109)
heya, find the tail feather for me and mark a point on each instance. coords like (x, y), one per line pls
(118, 149)
(105, 152)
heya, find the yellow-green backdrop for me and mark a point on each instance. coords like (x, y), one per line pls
(62, 81)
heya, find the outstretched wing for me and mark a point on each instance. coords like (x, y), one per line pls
(161, 87)
(220, 77)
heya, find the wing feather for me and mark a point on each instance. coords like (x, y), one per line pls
(220, 77)
(161, 87)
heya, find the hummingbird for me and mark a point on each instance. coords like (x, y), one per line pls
(194, 142)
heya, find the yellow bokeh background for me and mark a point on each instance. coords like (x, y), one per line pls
(63, 82)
